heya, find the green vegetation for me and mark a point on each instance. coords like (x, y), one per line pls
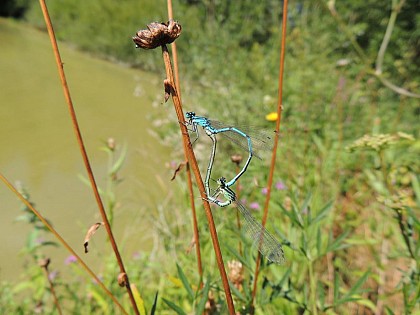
(347, 199)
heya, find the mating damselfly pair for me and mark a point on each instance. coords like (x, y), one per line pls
(251, 141)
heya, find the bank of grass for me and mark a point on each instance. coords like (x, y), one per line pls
(346, 209)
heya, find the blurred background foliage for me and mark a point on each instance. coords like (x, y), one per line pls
(229, 60)
(245, 36)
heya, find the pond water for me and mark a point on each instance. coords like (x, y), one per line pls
(38, 147)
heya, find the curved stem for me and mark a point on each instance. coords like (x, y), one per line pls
(52, 290)
(194, 166)
(276, 138)
(83, 149)
(188, 170)
(385, 41)
(61, 240)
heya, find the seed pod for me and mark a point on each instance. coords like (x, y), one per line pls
(157, 34)
(122, 279)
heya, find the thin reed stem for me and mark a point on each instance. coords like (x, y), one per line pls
(61, 240)
(188, 170)
(44, 265)
(174, 52)
(83, 150)
(194, 166)
(276, 138)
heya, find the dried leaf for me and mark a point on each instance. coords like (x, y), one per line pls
(236, 158)
(90, 233)
(43, 263)
(168, 89)
(178, 169)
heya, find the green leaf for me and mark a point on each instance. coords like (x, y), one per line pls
(416, 187)
(413, 216)
(185, 282)
(153, 310)
(103, 304)
(388, 311)
(175, 307)
(321, 294)
(285, 277)
(118, 164)
(205, 296)
(362, 241)
(337, 243)
(318, 241)
(292, 215)
(297, 217)
(304, 246)
(247, 291)
(368, 303)
(323, 212)
(318, 143)
(336, 287)
(138, 299)
(354, 289)
(306, 208)
(237, 293)
(50, 243)
(31, 241)
(242, 259)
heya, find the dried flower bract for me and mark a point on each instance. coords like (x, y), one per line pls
(157, 34)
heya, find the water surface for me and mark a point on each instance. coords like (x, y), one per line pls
(39, 149)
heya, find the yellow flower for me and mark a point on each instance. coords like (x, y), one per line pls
(272, 116)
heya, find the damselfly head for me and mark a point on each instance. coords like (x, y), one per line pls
(221, 182)
(190, 115)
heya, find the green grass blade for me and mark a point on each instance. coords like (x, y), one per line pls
(175, 307)
(205, 296)
(242, 259)
(185, 282)
(323, 212)
(153, 310)
(120, 161)
(354, 289)
(338, 244)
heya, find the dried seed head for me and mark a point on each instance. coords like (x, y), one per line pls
(122, 279)
(110, 142)
(43, 263)
(235, 273)
(287, 204)
(211, 307)
(157, 34)
(236, 158)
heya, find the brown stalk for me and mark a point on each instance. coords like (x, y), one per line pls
(44, 265)
(82, 147)
(161, 34)
(276, 138)
(194, 165)
(61, 240)
(188, 170)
